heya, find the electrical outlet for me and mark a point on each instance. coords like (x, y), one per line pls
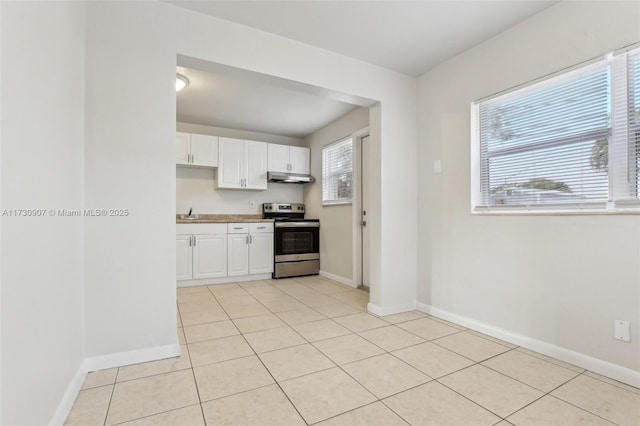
(252, 204)
(621, 330)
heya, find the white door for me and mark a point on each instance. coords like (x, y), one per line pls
(238, 254)
(299, 159)
(210, 256)
(278, 158)
(255, 165)
(230, 163)
(261, 253)
(183, 143)
(204, 150)
(183, 257)
(364, 193)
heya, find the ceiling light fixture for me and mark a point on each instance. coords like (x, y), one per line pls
(181, 82)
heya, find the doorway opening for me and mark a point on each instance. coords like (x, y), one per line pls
(360, 209)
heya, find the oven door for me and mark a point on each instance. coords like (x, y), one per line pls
(297, 241)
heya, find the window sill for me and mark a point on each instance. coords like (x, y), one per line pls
(563, 212)
(337, 203)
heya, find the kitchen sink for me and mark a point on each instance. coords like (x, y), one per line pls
(192, 217)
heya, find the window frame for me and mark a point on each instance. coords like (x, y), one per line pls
(349, 170)
(615, 203)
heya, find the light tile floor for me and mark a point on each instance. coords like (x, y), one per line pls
(304, 351)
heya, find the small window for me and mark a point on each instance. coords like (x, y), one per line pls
(547, 146)
(337, 172)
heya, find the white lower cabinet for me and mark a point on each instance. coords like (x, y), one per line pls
(250, 248)
(260, 248)
(184, 256)
(238, 252)
(217, 251)
(209, 256)
(201, 251)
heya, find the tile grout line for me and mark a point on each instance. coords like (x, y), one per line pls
(193, 373)
(269, 372)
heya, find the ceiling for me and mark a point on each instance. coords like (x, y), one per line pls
(406, 36)
(222, 96)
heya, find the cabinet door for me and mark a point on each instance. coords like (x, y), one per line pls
(204, 149)
(299, 159)
(183, 147)
(210, 256)
(261, 253)
(230, 163)
(278, 158)
(183, 257)
(255, 165)
(238, 254)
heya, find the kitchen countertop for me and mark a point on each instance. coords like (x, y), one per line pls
(224, 218)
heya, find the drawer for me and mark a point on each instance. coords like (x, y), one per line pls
(237, 228)
(201, 228)
(257, 228)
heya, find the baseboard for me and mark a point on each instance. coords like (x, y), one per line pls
(223, 280)
(617, 372)
(382, 311)
(107, 361)
(131, 357)
(69, 397)
(338, 278)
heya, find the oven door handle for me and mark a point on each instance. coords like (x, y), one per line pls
(297, 224)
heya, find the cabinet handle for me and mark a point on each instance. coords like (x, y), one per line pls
(250, 239)
(190, 242)
(194, 240)
(237, 227)
(246, 239)
(262, 227)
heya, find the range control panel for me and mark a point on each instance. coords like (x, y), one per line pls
(282, 208)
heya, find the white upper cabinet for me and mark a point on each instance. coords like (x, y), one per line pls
(196, 150)
(278, 158)
(183, 148)
(299, 159)
(242, 164)
(230, 163)
(204, 150)
(255, 161)
(288, 159)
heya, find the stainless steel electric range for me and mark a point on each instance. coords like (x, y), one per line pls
(296, 240)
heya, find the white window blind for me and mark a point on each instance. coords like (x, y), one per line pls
(542, 145)
(337, 172)
(625, 147)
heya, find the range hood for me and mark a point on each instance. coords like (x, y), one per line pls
(289, 177)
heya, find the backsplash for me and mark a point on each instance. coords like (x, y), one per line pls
(194, 188)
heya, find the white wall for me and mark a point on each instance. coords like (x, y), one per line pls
(336, 222)
(195, 186)
(130, 164)
(559, 280)
(130, 266)
(42, 168)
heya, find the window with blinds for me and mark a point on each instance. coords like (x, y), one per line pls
(569, 142)
(337, 172)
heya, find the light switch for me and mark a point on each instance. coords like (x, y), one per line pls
(621, 330)
(437, 166)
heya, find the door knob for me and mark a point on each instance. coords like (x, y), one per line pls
(363, 223)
